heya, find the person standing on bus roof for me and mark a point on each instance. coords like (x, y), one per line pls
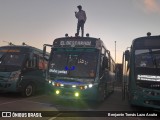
(81, 16)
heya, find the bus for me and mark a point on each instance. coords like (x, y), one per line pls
(141, 70)
(80, 68)
(22, 69)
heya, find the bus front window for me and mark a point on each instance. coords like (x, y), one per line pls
(12, 59)
(149, 58)
(74, 64)
(147, 68)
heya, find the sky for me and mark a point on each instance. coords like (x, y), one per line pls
(38, 22)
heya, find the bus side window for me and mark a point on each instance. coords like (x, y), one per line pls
(32, 63)
(105, 62)
(42, 64)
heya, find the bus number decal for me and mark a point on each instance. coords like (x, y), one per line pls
(58, 71)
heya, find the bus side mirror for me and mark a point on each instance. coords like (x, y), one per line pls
(127, 55)
(105, 62)
(44, 50)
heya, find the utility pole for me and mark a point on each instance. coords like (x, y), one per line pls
(115, 51)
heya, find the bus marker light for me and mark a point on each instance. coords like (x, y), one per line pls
(57, 92)
(81, 87)
(57, 84)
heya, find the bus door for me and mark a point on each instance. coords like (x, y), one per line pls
(33, 72)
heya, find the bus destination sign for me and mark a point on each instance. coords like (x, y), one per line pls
(75, 43)
(9, 50)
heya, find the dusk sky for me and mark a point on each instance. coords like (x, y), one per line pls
(39, 22)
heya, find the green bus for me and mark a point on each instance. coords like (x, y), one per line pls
(80, 68)
(22, 69)
(141, 68)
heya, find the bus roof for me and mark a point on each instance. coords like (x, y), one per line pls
(87, 42)
(148, 41)
(20, 48)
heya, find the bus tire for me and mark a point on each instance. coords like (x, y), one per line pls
(28, 90)
(102, 94)
(113, 88)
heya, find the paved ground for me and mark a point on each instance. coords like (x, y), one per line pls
(43, 102)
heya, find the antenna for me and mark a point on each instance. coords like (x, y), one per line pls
(9, 43)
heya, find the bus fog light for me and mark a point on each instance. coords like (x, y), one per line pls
(57, 92)
(76, 94)
(90, 85)
(50, 81)
(73, 86)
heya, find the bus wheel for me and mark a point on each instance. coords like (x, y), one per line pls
(28, 90)
(102, 94)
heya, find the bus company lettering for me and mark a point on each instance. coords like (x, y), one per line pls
(148, 77)
(58, 71)
(76, 43)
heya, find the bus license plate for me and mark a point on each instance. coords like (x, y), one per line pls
(68, 93)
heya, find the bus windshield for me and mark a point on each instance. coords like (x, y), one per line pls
(149, 58)
(147, 68)
(80, 63)
(12, 59)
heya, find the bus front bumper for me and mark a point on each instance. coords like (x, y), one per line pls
(8, 86)
(146, 98)
(73, 93)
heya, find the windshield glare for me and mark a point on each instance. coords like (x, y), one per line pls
(74, 63)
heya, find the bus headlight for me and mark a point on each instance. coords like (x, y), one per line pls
(15, 75)
(53, 83)
(90, 85)
(85, 87)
